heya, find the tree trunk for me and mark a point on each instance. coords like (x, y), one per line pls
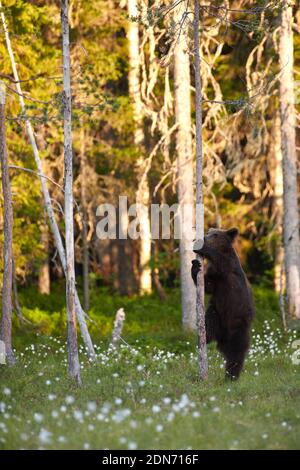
(143, 193)
(85, 246)
(203, 367)
(288, 145)
(276, 165)
(44, 270)
(47, 199)
(74, 366)
(6, 320)
(16, 303)
(123, 261)
(185, 172)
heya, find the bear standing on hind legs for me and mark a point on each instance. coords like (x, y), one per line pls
(230, 310)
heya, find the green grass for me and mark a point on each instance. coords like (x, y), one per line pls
(147, 395)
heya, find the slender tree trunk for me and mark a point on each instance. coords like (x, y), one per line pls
(276, 165)
(16, 303)
(6, 320)
(47, 199)
(74, 366)
(85, 245)
(288, 145)
(123, 268)
(203, 367)
(44, 270)
(185, 171)
(143, 193)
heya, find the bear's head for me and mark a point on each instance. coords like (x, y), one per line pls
(220, 240)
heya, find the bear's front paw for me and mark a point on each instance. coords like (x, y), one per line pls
(196, 266)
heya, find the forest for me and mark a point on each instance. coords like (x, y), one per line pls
(140, 140)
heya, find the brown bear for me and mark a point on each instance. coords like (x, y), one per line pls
(230, 310)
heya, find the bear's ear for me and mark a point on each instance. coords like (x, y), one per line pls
(233, 233)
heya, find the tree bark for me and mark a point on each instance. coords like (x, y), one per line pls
(16, 303)
(85, 246)
(44, 270)
(185, 170)
(6, 320)
(276, 165)
(46, 195)
(74, 366)
(203, 367)
(143, 193)
(288, 145)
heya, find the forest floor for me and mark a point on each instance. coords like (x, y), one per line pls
(147, 395)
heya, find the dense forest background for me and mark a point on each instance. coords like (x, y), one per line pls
(240, 160)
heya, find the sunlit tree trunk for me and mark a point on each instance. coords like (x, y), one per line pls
(143, 193)
(74, 366)
(288, 145)
(6, 319)
(276, 165)
(46, 195)
(85, 246)
(200, 306)
(185, 172)
(44, 270)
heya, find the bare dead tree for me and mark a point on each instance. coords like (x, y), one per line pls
(200, 308)
(74, 365)
(6, 319)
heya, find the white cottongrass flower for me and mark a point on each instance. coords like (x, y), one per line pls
(92, 406)
(63, 408)
(196, 414)
(38, 417)
(45, 436)
(143, 401)
(142, 383)
(166, 400)
(48, 382)
(51, 396)
(216, 409)
(69, 400)
(132, 445)
(120, 415)
(156, 408)
(149, 420)
(118, 401)
(133, 424)
(54, 414)
(159, 428)
(122, 440)
(78, 415)
(264, 435)
(86, 446)
(213, 398)
(61, 439)
(7, 391)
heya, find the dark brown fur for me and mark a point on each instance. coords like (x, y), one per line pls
(230, 310)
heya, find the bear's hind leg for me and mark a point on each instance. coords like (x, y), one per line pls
(235, 353)
(234, 364)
